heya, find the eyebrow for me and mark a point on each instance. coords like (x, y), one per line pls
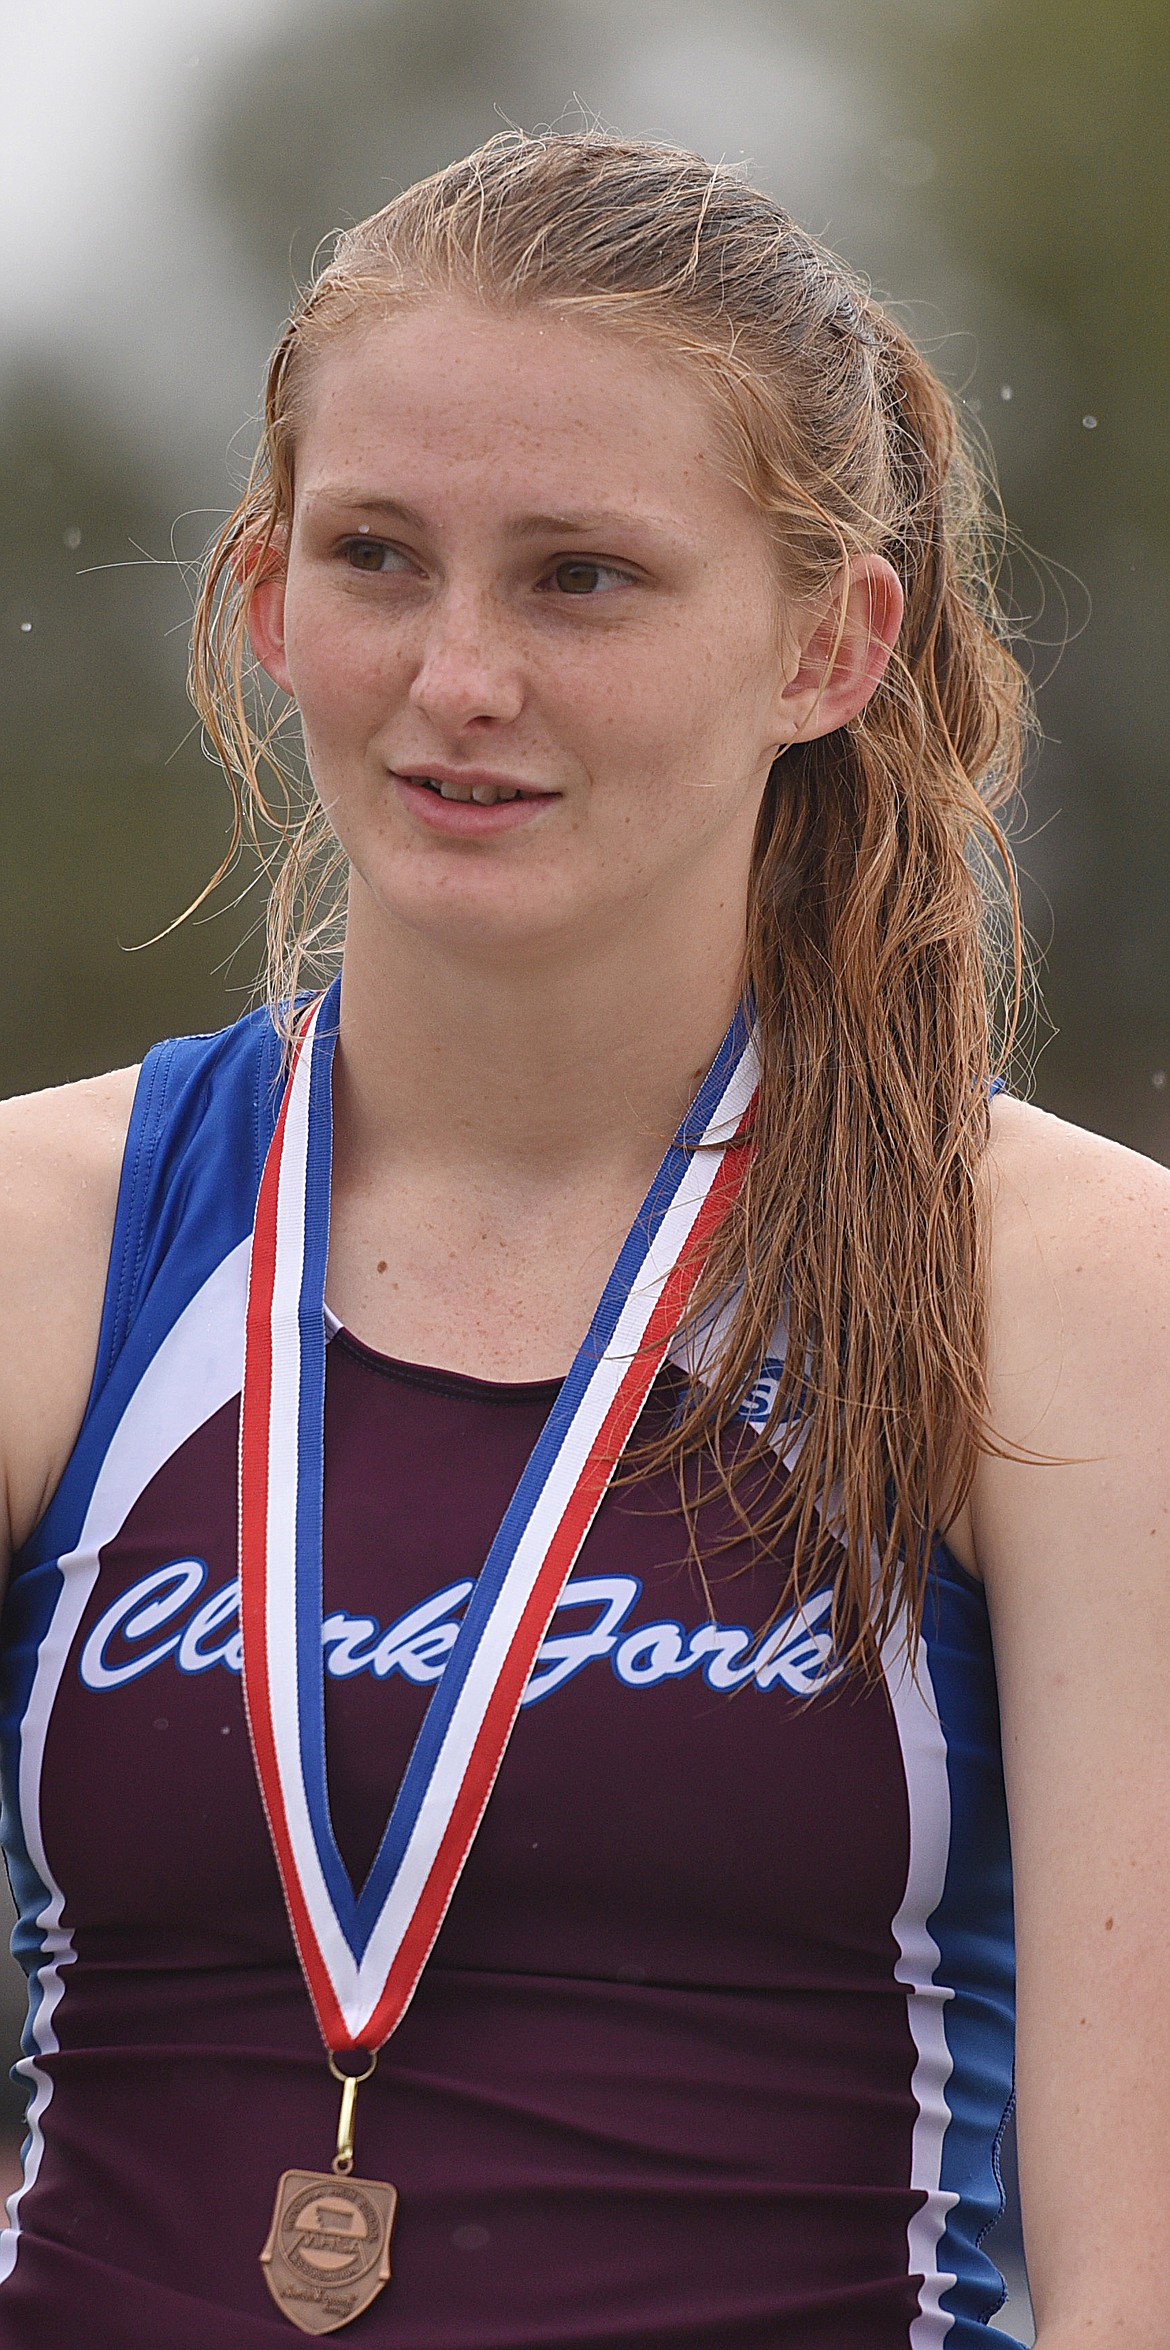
(527, 526)
(582, 525)
(391, 509)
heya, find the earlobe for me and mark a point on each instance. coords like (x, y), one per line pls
(265, 625)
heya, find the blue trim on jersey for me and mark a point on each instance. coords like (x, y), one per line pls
(28, 1613)
(973, 1927)
(142, 1139)
(182, 1207)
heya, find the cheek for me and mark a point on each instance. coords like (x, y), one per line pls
(703, 708)
(649, 700)
(337, 668)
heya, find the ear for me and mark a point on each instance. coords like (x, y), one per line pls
(265, 624)
(842, 652)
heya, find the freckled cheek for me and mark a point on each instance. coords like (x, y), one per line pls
(648, 702)
(687, 721)
(345, 688)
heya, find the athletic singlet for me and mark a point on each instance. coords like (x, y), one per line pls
(714, 2049)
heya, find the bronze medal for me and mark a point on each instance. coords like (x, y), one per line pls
(328, 2250)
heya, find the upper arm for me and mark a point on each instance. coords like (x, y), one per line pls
(60, 1161)
(1076, 1558)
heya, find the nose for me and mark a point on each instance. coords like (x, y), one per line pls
(468, 671)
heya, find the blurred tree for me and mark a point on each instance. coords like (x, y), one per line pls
(1053, 174)
(110, 819)
(342, 110)
(1052, 177)
(1036, 140)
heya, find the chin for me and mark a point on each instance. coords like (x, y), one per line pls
(489, 915)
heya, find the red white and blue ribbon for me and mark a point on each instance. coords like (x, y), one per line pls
(362, 1953)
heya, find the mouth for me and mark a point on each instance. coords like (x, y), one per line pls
(485, 791)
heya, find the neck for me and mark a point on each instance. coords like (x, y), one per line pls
(550, 1063)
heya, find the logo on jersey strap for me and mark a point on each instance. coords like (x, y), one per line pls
(362, 1954)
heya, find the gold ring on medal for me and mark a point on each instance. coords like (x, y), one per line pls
(371, 2067)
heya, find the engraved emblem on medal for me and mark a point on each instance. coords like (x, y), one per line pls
(328, 2250)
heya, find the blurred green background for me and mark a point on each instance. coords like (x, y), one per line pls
(166, 176)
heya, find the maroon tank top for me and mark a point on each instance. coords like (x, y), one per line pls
(655, 2086)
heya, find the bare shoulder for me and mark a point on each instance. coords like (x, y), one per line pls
(1080, 1253)
(81, 1121)
(1058, 1181)
(60, 1162)
(1079, 1325)
(60, 1157)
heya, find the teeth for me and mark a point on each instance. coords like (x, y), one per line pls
(485, 795)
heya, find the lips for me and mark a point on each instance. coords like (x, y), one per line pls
(487, 791)
(472, 804)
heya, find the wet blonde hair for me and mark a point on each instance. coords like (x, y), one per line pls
(883, 911)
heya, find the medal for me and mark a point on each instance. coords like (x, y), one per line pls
(328, 2249)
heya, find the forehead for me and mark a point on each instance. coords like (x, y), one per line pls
(453, 395)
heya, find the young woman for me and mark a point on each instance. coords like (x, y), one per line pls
(622, 564)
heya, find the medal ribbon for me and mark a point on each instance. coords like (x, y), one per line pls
(363, 1953)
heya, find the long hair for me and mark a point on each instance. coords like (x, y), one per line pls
(883, 953)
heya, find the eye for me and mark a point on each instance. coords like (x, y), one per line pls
(579, 575)
(372, 555)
